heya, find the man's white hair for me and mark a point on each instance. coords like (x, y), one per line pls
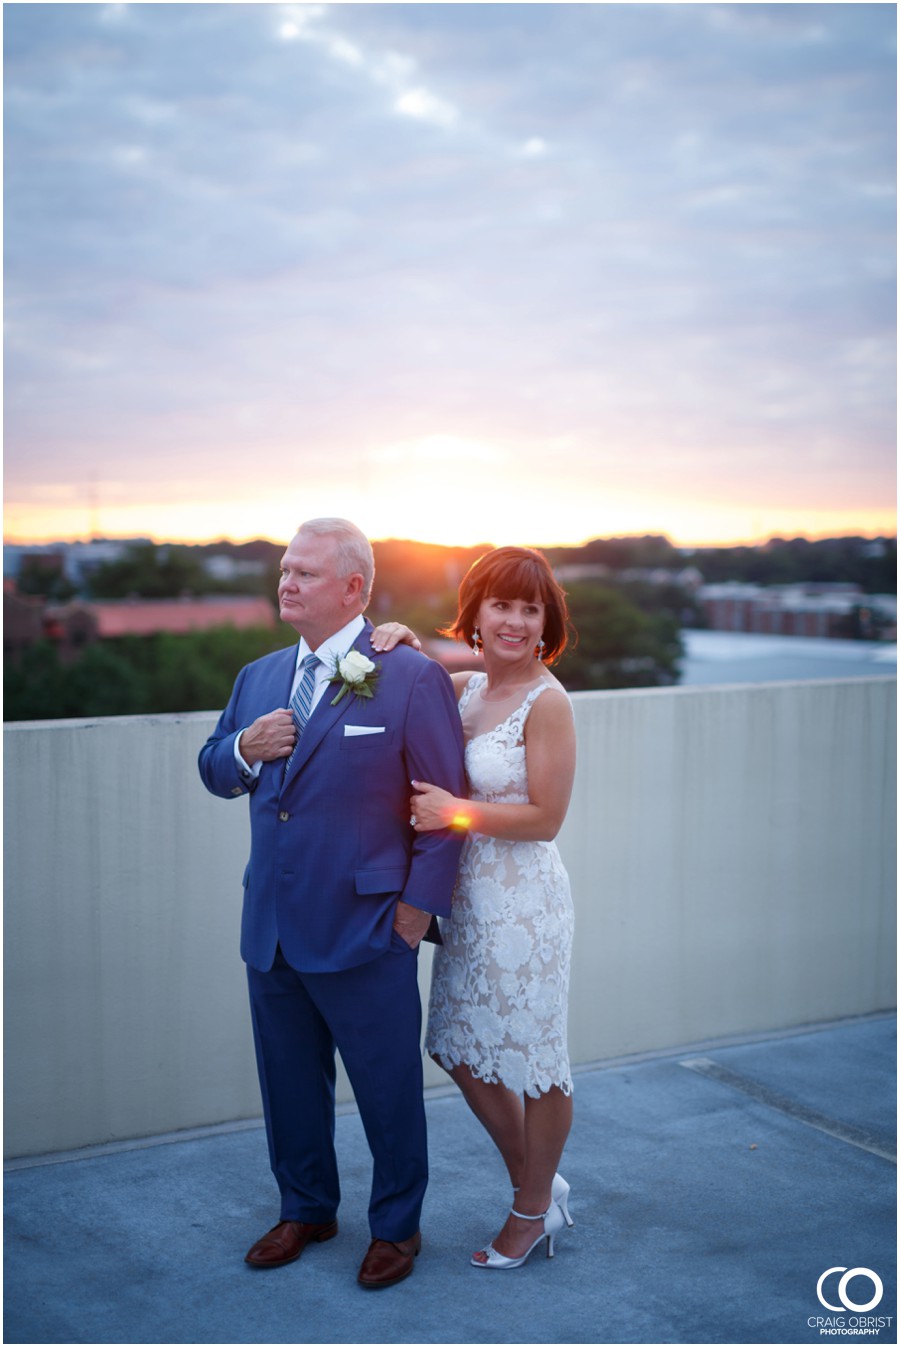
(355, 556)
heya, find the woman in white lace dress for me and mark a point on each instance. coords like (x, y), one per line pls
(498, 1007)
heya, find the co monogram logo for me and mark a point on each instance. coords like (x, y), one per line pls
(845, 1300)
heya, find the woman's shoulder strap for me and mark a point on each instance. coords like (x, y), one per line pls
(475, 681)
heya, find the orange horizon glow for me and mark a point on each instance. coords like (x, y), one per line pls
(453, 491)
(36, 528)
(163, 539)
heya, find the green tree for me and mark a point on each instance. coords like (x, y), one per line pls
(34, 688)
(869, 563)
(152, 572)
(45, 576)
(136, 675)
(105, 682)
(617, 645)
(196, 672)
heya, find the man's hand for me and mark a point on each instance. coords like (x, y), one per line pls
(411, 923)
(271, 736)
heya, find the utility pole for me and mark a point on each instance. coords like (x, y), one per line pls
(93, 530)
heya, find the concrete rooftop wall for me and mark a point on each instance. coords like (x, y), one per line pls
(732, 854)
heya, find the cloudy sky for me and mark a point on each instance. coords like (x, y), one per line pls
(462, 272)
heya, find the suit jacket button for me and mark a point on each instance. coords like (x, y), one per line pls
(236, 790)
(283, 816)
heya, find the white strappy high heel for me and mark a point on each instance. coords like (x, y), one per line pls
(560, 1195)
(553, 1220)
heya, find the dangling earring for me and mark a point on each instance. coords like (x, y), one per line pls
(476, 637)
(539, 653)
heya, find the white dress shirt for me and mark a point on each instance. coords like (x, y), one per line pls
(329, 652)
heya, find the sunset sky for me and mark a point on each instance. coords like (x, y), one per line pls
(463, 273)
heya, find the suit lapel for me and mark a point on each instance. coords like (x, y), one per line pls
(283, 674)
(275, 692)
(326, 716)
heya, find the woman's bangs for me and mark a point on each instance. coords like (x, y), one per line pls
(521, 579)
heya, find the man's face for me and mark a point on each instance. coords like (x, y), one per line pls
(312, 597)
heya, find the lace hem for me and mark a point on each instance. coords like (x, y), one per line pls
(453, 1058)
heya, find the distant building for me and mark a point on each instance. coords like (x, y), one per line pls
(589, 570)
(146, 617)
(83, 558)
(71, 626)
(811, 609)
(686, 577)
(221, 566)
(23, 622)
(75, 560)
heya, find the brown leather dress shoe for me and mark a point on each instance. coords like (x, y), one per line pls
(286, 1241)
(387, 1263)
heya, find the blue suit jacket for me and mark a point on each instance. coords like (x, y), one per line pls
(331, 846)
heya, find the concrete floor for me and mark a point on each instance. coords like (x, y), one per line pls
(708, 1199)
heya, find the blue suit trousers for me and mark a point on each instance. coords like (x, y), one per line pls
(372, 1014)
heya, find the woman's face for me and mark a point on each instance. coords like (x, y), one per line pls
(510, 628)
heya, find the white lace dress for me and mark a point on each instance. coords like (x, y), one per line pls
(500, 981)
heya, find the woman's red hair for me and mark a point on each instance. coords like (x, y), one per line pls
(513, 573)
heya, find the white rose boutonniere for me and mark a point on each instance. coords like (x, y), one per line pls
(356, 673)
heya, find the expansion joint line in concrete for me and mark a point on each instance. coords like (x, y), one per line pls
(854, 1136)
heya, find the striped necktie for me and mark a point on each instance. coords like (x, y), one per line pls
(301, 702)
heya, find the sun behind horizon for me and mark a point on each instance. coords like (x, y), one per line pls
(448, 490)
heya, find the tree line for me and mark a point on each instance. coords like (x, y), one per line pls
(628, 628)
(617, 646)
(410, 571)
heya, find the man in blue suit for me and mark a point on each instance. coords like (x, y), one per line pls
(339, 890)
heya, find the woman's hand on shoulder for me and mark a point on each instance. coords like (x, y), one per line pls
(389, 634)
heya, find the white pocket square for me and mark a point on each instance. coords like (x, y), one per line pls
(363, 729)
